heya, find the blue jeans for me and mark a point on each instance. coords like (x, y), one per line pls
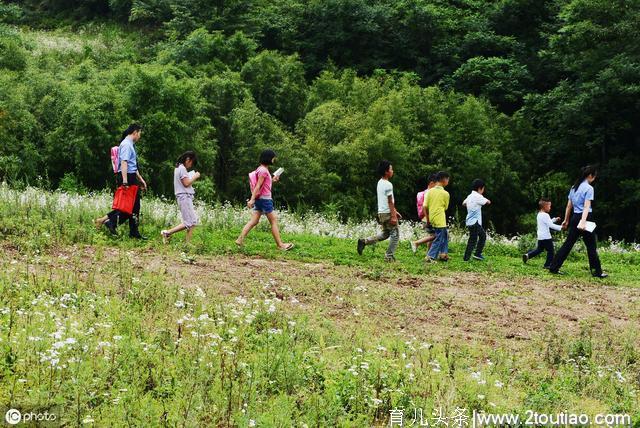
(441, 243)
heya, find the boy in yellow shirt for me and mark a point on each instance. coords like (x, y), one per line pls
(436, 204)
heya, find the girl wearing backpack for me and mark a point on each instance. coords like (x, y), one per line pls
(261, 202)
(420, 197)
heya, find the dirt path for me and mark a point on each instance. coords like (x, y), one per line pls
(464, 306)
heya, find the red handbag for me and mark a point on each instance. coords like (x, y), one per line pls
(125, 199)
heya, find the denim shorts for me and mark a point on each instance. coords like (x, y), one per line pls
(265, 206)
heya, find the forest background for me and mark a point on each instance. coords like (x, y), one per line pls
(520, 93)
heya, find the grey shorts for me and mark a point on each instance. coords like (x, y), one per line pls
(185, 202)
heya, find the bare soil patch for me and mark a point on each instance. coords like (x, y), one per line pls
(460, 306)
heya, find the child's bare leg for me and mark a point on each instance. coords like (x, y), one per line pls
(424, 240)
(176, 229)
(189, 234)
(275, 231)
(100, 221)
(255, 219)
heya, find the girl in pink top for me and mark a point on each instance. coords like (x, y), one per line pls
(260, 181)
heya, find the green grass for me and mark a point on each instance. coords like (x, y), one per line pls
(113, 332)
(624, 269)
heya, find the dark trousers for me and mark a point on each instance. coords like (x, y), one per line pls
(478, 236)
(589, 239)
(543, 245)
(117, 217)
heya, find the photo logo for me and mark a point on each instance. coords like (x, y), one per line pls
(40, 417)
(13, 416)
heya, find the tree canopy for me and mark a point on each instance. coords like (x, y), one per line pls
(520, 93)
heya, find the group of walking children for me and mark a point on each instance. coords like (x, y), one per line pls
(433, 202)
(129, 181)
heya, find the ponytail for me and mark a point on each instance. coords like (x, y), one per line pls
(131, 129)
(585, 172)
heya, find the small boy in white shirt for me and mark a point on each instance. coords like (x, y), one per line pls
(545, 225)
(474, 203)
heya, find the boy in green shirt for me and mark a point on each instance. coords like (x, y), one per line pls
(436, 204)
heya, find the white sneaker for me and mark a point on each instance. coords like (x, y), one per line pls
(414, 247)
(165, 236)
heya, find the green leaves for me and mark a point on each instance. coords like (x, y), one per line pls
(13, 57)
(503, 81)
(277, 84)
(335, 86)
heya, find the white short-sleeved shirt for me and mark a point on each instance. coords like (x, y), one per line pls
(384, 190)
(474, 203)
(178, 174)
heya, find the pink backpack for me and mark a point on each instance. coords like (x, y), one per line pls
(253, 179)
(115, 158)
(419, 203)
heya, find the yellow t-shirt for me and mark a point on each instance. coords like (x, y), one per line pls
(436, 203)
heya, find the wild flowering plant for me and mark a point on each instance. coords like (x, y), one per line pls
(226, 215)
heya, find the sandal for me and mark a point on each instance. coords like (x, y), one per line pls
(287, 247)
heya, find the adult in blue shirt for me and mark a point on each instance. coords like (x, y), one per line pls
(127, 175)
(578, 212)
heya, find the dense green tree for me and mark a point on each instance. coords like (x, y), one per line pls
(525, 93)
(591, 116)
(223, 94)
(503, 81)
(278, 85)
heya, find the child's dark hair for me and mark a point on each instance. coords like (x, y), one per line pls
(189, 154)
(267, 156)
(442, 175)
(383, 167)
(425, 181)
(584, 173)
(131, 129)
(542, 202)
(477, 184)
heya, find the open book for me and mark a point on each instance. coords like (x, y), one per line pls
(278, 172)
